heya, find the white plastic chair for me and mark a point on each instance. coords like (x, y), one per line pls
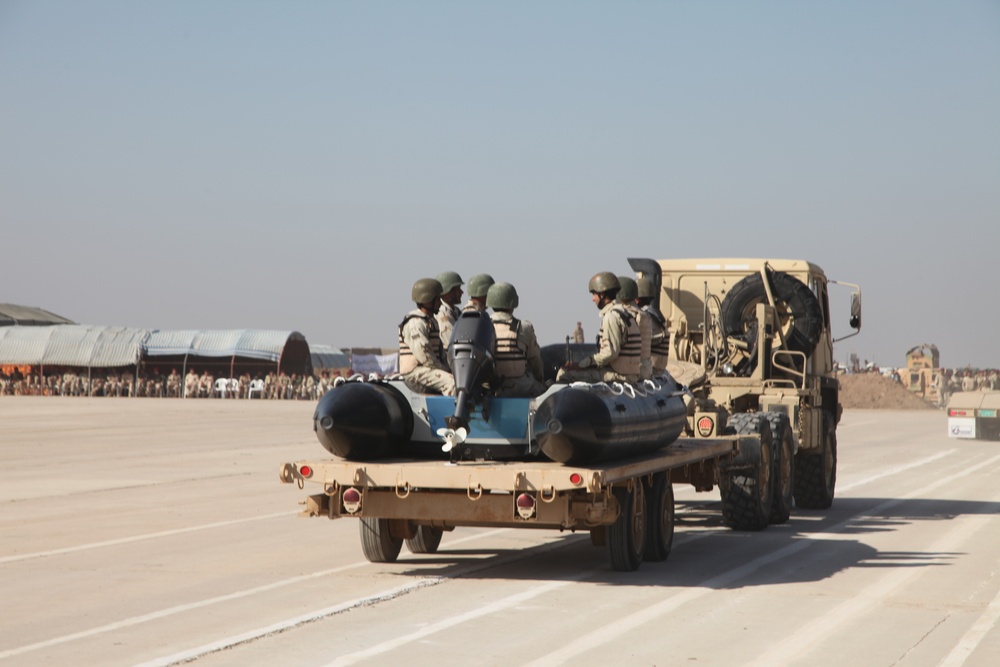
(221, 386)
(256, 386)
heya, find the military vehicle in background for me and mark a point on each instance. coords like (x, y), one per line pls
(923, 374)
(753, 340)
(974, 415)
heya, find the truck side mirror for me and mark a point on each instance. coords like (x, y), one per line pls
(856, 311)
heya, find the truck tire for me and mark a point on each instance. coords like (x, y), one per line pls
(816, 472)
(745, 482)
(784, 466)
(627, 535)
(377, 543)
(426, 541)
(659, 518)
(798, 309)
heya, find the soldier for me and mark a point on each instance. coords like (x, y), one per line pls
(448, 312)
(627, 296)
(479, 285)
(578, 333)
(660, 342)
(617, 357)
(518, 358)
(421, 360)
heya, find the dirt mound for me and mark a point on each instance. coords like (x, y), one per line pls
(875, 392)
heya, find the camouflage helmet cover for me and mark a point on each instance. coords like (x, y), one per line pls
(603, 282)
(628, 291)
(426, 290)
(449, 280)
(645, 288)
(502, 296)
(479, 285)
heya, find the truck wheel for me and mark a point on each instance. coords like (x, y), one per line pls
(627, 535)
(798, 309)
(816, 473)
(377, 543)
(784, 466)
(659, 518)
(745, 482)
(426, 540)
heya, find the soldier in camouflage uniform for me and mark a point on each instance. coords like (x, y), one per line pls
(619, 341)
(660, 342)
(421, 355)
(449, 310)
(518, 358)
(627, 296)
(479, 285)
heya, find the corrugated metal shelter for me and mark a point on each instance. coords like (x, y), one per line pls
(247, 349)
(75, 345)
(327, 357)
(12, 314)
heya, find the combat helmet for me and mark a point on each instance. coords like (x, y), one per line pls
(605, 281)
(628, 291)
(426, 290)
(644, 288)
(449, 280)
(501, 296)
(479, 285)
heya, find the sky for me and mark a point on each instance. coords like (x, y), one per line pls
(298, 165)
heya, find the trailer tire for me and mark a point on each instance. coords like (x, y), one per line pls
(816, 473)
(783, 476)
(426, 540)
(659, 518)
(377, 543)
(798, 309)
(745, 481)
(627, 535)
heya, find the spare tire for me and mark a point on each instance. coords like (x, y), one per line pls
(798, 309)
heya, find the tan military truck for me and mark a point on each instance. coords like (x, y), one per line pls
(923, 375)
(753, 338)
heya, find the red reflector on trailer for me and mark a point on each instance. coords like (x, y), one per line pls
(306, 471)
(576, 478)
(956, 413)
(525, 500)
(352, 496)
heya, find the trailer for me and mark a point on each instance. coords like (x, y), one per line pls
(974, 415)
(626, 505)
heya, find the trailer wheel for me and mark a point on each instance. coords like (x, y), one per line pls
(784, 466)
(745, 482)
(659, 518)
(816, 473)
(627, 535)
(797, 307)
(426, 541)
(377, 543)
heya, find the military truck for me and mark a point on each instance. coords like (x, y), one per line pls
(754, 336)
(923, 374)
(754, 350)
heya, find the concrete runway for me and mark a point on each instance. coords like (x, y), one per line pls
(156, 532)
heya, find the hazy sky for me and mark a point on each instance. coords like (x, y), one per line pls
(297, 165)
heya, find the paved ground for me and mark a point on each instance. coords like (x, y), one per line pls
(155, 532)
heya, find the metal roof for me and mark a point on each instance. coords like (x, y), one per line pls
(327, 356)
(71, 345)
(12, 314)
(251, 343)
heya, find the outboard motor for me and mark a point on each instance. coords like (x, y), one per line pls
(470, 354)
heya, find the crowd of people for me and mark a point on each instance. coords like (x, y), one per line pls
(154, 384)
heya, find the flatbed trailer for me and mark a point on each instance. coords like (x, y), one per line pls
(627, 505)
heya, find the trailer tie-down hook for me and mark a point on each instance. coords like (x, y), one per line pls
(474, 494)
(406, 489)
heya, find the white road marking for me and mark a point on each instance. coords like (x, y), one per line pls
(281, 626)
(140, 538)
(171, 611)
(974, 636)
(612, 631)
(896, 470)
(444, 624)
